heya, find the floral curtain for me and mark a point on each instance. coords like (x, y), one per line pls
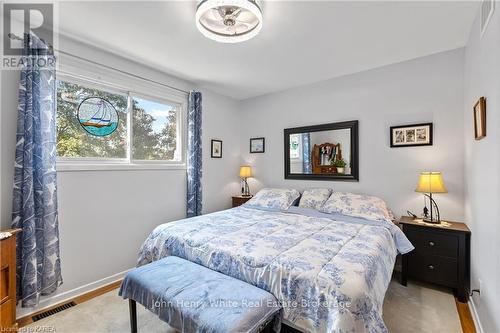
(306, 153)
(194, 162)
(35, 186)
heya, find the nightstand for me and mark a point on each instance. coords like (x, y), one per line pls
(441, 255)
(239, 200)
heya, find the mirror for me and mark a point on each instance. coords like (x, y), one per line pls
(323, 152)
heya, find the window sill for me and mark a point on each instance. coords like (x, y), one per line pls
(74, 167)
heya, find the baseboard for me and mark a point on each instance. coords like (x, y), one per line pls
(50, 301)
(475, 316)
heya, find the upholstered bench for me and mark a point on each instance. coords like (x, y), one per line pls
(192, 298)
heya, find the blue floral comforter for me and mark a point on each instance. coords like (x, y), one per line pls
(330, 275)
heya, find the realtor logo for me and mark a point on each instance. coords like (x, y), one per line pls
(21, 18)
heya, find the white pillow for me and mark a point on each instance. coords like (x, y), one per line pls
(314, 198)
(274, 198)
(357, 205)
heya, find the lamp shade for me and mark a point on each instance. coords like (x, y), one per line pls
(245, 171)
(431, 182)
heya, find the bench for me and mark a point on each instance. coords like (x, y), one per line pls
(193, 298)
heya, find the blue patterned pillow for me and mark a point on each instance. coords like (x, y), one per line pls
(357, 205)
(274, 198)
(314, 198)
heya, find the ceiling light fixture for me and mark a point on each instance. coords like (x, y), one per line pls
(229, 21)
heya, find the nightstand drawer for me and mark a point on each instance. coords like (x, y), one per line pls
(433, 243)
(433, 269)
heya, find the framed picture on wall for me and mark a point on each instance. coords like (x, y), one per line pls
(216, 151)
(411, 135)
(480, 119)
(257, 145)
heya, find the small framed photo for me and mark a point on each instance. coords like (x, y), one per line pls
(411, 135)
(480, 119)
(257, 145)
(216, 149)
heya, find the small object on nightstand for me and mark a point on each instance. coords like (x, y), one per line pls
(239, 200)
(411, 214)
(441, 255)
(431, 182)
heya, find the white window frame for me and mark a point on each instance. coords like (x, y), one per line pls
(134, 88)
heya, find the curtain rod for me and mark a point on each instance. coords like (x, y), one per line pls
(12, 36)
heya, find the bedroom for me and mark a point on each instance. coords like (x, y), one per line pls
(186, 109)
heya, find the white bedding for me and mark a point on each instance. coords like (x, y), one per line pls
(331, 276)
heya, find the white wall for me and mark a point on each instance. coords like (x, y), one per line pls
(428, 89)
(101, 243)
(482, 193)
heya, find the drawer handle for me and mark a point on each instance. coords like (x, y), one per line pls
(431, 243)
(431, 267)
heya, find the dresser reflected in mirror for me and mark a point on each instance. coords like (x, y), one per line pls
(322, 152)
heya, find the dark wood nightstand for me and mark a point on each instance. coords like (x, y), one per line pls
(441, 255)
(239, 200)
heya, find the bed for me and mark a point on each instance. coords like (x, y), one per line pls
(330, 272)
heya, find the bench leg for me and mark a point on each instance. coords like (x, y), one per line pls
(133, 315)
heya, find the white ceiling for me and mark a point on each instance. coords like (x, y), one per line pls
(300, 43)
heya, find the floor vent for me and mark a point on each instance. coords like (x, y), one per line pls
(50, 312)
(487, 8)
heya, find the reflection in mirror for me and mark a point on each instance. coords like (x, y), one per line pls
(328, 151)
(322, 152)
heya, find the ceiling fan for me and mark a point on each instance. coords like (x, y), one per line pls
(229, 21)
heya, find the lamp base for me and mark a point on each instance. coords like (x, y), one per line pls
(429, 220)
(436, 219)
(246, 192)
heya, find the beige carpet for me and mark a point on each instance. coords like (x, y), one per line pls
(416, 308)
(420, 308)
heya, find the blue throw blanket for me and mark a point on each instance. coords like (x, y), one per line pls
(192, 298)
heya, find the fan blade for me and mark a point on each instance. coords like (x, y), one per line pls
(214, 14)
(220, 11)
(247, 25)
(214, 23)
(235, 14)
(246, 16)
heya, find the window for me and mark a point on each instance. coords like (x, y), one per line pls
(73, 140)
(295, 146)
(149, 128)
(155, 131)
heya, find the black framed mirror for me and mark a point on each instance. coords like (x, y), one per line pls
(322, 152)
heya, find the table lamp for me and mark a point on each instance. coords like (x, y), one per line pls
(245, 173)
(429, 183)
